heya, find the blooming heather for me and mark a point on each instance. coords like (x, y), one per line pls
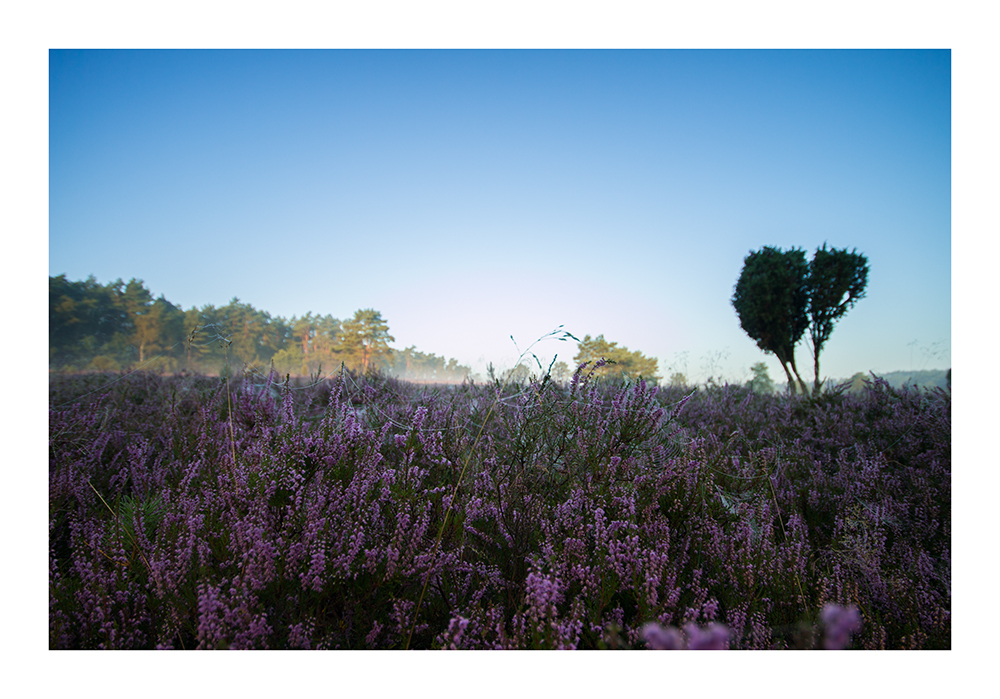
(713, 637)
(363, 512)
(659, 638)
(838, 625)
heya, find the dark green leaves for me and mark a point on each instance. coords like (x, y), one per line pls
(772, 301)
(779, 296)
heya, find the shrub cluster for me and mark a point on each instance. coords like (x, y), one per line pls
(365, 512)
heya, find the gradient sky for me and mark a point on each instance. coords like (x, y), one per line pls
(474, 195)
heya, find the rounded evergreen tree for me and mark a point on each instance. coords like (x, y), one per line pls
(771, 299)
(837, 281)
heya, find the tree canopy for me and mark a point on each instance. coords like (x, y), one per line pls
(365, 338)
(772, 302)
(761, 381)
(837, 281)
(632, 363)
(678, 379)
(120, 325)
(427, 367)
(779, 296)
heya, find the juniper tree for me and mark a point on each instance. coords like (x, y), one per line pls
(837, 280)
(772, 301)
(779, 296)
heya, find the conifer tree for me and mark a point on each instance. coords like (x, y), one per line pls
(837, 281)
(772, 303)
(365, 338)
(779, 296)
(632, 363)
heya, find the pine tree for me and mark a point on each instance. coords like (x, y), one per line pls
(364, 340)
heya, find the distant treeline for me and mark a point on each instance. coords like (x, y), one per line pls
(119, 325)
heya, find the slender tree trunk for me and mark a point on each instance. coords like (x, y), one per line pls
(802, 384)
(791, 382)
(816, 381)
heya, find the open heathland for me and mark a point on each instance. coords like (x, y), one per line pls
(365, 512)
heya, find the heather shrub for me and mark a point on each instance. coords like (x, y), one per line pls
(364, 512)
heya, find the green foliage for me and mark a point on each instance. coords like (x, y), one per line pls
(119, 322)
(103, 363)
(364, 341)
(289, 360)
(84, 318)
(561, 372)
(623, 360)
(518, 375)
(779, 296)
(837, 281)
(858, 382)
(413, 365)
(772, 302)
(679, 380)
(761, 381)
(121, 326)
(242, 324)
(311, 343)
(234, 334)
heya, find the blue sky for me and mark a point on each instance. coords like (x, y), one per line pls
(474, 195)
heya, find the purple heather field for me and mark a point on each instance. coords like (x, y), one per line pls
(363, 512)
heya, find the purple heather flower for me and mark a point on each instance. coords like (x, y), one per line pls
(713, 637)
(373, 635)
(839, 623)
(543, 594)
(659, 638)
(456, 628)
